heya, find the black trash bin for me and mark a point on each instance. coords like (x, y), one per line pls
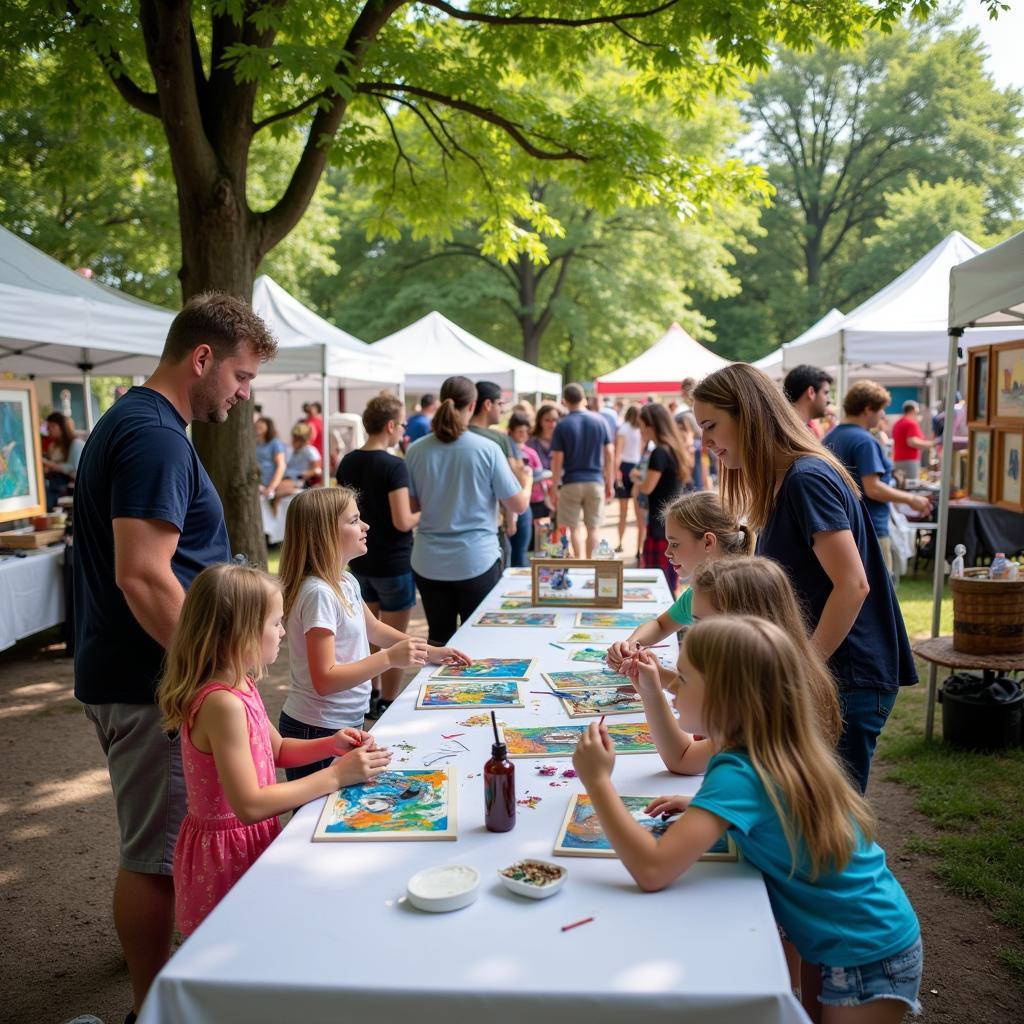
(981, 713)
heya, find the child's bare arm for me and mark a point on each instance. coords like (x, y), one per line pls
(328, 676)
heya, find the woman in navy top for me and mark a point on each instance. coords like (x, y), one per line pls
(810, 518)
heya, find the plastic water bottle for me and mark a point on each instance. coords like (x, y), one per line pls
(604, 549)
(1000, 567)
(1014, 571)
(957, 567)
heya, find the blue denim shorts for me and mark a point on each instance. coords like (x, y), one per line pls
(896, 977)
(392, 593)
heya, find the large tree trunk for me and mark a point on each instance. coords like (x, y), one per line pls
(219, 243)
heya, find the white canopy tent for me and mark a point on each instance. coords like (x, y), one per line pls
(672, 357)
(900, 332)
(53, 319)
(433, 349)
(774, 363)
(986, 293)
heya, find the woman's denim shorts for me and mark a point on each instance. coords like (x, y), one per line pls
(896, 977)
(392, 593)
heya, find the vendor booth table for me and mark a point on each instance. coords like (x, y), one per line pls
(983, 530)
(31, 593)
(320, 932)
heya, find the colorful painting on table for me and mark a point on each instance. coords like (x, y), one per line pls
(612, 620)
(497, 693)
(488, 668)
(593, 655)
(518, 593)
(561, 740)
(584, 677)
(583, 636)
(637, 594)
(510, 603)
(407, 803)
(535, 619)
(581, 834)
(591, 701)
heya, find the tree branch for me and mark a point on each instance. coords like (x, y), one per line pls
(282, 115)
(538, 19)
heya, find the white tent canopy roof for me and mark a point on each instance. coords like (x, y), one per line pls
(672, 357)
(433, 349)
(54, 321)
(902, 328)
(774, 364)
(309, 344)
(988, 290)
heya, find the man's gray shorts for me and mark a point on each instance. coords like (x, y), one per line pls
(148, 783)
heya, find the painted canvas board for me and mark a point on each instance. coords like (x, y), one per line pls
(488, 668)
(591, 655)
(561, 740)
(583, 636)
(518, 593)
(511, 603)
(581, 834)
(570, 678)
(638, 594)
(536, 619)
(612, 620)
(407, 803)
(492, 693)
(591, 701)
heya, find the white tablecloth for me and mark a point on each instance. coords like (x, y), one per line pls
(31, 593)
(320, 932)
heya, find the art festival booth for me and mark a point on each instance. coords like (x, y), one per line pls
(774, 364)
(673, 357)
(433, 349)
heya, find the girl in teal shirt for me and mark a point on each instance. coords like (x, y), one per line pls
(778, 788)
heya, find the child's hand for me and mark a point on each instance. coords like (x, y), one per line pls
(360, 765)
(348, 739)
(447, 656)
(619, 652)
(595, 755)
(644, 673)
(407, 653)
(667, 805)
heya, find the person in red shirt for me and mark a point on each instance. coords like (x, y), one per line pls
(315, 421)
(908, 441)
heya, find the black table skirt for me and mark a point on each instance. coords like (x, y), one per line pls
(983, 530)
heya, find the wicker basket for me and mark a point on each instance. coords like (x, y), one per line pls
(988, 615)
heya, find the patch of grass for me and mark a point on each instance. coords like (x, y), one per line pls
(274, 559)
(1014, 959)
(915, 597)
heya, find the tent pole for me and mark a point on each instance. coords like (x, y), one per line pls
(536, 400)
(843, 370)
(86, 369)
(325, 415)
(946, 483)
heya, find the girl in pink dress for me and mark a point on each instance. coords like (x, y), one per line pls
(230, 630)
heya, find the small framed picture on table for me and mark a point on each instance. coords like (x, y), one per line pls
(979, 470)
(1006, 479)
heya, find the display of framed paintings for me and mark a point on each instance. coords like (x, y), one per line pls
(1006, 393)
(444, 694)
(980, 465)
(581, 834)
(577, 583)
(22, 489)
(1006, 483)
(979, 361)
(407, 803)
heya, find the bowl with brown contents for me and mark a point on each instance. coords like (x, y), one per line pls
(535, 879)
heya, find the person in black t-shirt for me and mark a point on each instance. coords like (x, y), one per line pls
(147, 522)
(385, 571)
(810, 518)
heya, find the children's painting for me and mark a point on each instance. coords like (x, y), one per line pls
(535, 619)
(408, 803)
(583, 636)
(518, 593)
(612, 620)
(509, 603)
(634, 576)
(637, 594)
(561, 740)
(496, 693)
(581, 834)
(488, 668)
(591, 655)
(591, 701)
(584, 677)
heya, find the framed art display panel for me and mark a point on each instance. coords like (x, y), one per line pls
(979, 362)
(1006, 391)
(979, 469)
(1006, 482)
(22, 489)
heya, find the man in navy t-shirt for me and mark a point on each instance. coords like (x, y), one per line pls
(853, 444)
(419, 425)
(147, 522)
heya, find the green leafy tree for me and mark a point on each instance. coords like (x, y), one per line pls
(216, 75)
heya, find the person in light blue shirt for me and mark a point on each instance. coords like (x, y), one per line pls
(455, 479)
(777, 790)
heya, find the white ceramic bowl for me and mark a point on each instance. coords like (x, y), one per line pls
(531, 889)
(443, 888)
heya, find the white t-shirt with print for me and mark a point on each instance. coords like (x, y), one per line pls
(317, 607)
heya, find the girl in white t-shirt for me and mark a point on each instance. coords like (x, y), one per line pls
(329, 627)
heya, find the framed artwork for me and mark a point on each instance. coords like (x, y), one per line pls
(1006, 399)
(577, 583)
(978, 362)
(544, 620)
(980, 465)
(1006, 486)
(413, 803)
(591, 701)
(483, 693)
(22, 488)
(561, 740)
(612, 620)
(488, 668)
(581, 834)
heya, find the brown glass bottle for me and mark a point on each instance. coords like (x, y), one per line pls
(499, 790)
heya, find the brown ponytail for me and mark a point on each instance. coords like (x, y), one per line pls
(457, 394)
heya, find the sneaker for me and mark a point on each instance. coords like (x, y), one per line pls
(382, 706)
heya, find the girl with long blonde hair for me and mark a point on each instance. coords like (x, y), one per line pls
(778, 789)
(810, 519)
(229, 632)
(329, 626)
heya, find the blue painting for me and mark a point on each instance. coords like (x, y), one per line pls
(15, 481)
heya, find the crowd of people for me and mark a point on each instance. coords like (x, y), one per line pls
(794, 653)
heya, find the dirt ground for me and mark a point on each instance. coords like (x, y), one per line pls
(59, 955)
